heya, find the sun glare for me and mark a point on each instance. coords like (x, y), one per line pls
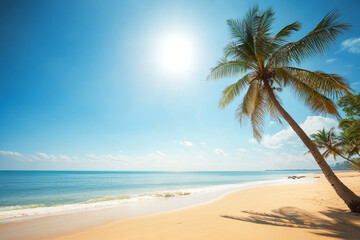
(176, 54)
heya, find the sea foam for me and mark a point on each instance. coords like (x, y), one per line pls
(21, 212)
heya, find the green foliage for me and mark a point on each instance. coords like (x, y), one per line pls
(333, 145)
(350, 136)
(356, 167)
(350, 105)
(350, 127)
(327, 141)
(346, 144)
(267, 60)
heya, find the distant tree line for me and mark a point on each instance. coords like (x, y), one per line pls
(346, 165)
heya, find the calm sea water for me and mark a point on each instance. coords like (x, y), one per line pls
(22, 191)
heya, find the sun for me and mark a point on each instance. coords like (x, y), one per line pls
(176, 54)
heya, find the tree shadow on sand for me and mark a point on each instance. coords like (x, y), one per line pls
(337, 224)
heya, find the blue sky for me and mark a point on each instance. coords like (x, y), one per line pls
(82, 87)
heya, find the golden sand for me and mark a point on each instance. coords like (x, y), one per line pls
(298, 211)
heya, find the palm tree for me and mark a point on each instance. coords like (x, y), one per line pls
(267, 61)
(350, 137)
(350, 146)
(332, 144)
(351, 128)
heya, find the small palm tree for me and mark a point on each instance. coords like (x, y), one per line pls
(350, 146)
(351, 128)
(350, 137)
(332, 144)
(267, 61)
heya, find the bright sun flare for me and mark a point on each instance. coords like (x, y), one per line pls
(176, 54)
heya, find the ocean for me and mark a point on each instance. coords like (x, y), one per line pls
(36, 193)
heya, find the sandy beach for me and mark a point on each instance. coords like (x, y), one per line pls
(300, 211)
(179, 120)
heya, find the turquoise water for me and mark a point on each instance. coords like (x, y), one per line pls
(24, 190)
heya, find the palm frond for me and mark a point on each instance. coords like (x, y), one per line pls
(315, 42)
(247, 105)
(234, 90)
(258, 115)
(251, 33)
(254, 107)
(331, 85)
(284, 33)
(240, 53)
(226, 68)
(274, 112)
(316, 101)
(265, 22)
(239, 32)
(262, 34)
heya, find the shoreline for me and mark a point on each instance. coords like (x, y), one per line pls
(298, 211)
(59, 223)
(200, 195)
(69, 225)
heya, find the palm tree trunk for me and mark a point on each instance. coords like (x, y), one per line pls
(348, 196)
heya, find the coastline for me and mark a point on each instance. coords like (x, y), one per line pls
(299, 211)
(186, 197)
(64, 223)
(82, 223)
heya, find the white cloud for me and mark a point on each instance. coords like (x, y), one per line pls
(160, 156)
(185, 143)
(40, 156)
(286, 160)
(221, 152)
(10, 153)
(287, 136)
(109, 157)
(241, 151)
(355, 83)
(253, 140)
(44, 156)
(272, 122)
(66, 158)
(330, 60)
(204, 144)
(51, 157)
(352, 45)
(160, 153)
(14, 156)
